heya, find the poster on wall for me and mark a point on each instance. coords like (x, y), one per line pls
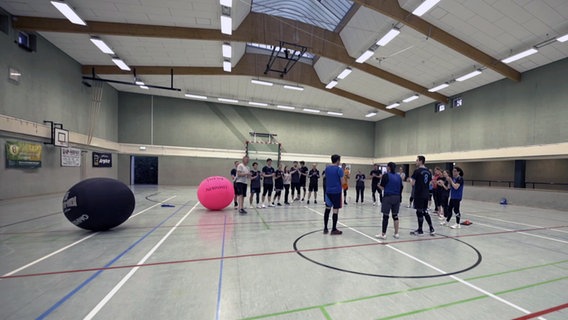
(102, 160)
(70, 157)
(21, 154)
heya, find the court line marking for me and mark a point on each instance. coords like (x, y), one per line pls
(542, 312)
(524, 233)
(471, 285)
(513, 222)
(260, 254)
(219, 287)
(70, 245)
(119, 285)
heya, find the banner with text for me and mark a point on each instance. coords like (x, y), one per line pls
(70, 157)
(21, 154)
(102, 160)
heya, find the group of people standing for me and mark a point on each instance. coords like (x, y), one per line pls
(292, 180)
(447, 190)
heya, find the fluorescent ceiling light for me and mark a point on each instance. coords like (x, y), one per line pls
(331, 84)
(226, 3)
(344, 73)
(297, 88)
(311, 110)
(469, 75)
(144, 87)
(333, 113)
(411, 98)
(520, 55)
(261, 104)
(227, 67)
(195, 96)
(228, 100)
(388, 37)
(440, 87)
(394, 105)
(226, 25)
(365, 56)
(370, 114)
(564, 38)
(101, 45)
(121, 64)
(68, 12)
(227, 50)
(424, 7)
(285, 107)
(262, 83)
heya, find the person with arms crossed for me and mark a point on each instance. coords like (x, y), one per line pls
(456, 194)
(359, 187)
(375, 180)
(334, 175)
(314, 175)
(268, 182)
(255, 184)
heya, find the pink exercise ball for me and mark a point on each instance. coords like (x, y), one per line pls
(215, 193)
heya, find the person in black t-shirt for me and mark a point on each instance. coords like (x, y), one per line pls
(268, 182)
(376, 179)
(278, 185)
(314, 175)
(421, 181)
(303, 177)
(295, 172)
(255, 184)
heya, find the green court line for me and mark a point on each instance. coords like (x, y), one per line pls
(400, 315)
(325, 314)
(262, 219)
(415, 289)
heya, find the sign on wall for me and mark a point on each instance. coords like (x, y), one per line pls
(102, 160)
(21, 154)
(70, 157)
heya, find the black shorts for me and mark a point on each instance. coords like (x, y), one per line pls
(241, 189)
(254, 190)
(313, 186)
(333, 200)
(420, 203)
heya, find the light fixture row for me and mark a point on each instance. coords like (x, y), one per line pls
(270, 84)
(261, 104)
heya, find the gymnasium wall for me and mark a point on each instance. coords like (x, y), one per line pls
(499, 115)
(168, 121)
(50, 89)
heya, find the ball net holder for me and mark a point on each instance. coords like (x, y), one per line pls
(264, 139)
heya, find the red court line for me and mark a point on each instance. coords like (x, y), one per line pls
(542, 312)
(268, 253)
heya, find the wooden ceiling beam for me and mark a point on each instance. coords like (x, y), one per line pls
(247, 66)
(256, 28)
(393, 10)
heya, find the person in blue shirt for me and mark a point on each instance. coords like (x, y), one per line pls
(334, 175)
(456, 194)
(391, 185)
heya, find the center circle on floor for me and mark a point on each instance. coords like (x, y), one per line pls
(436, 275)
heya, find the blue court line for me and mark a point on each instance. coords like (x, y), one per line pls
(110, 263)
(221, 271)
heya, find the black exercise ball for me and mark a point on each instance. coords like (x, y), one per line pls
(98, 204)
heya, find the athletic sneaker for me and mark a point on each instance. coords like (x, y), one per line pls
(279, 204)
(258, 206)
(308, 202)
(325, 231)
(381, 236)
(336, 232)
(287, 203)
(416, 233)
(456, 226)
(242, 211)
(315, 201)
(263, 205)
(444, 223)
(374, 204)
(432, 232)
(302, 199)
(271, 205)
(396, 236)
